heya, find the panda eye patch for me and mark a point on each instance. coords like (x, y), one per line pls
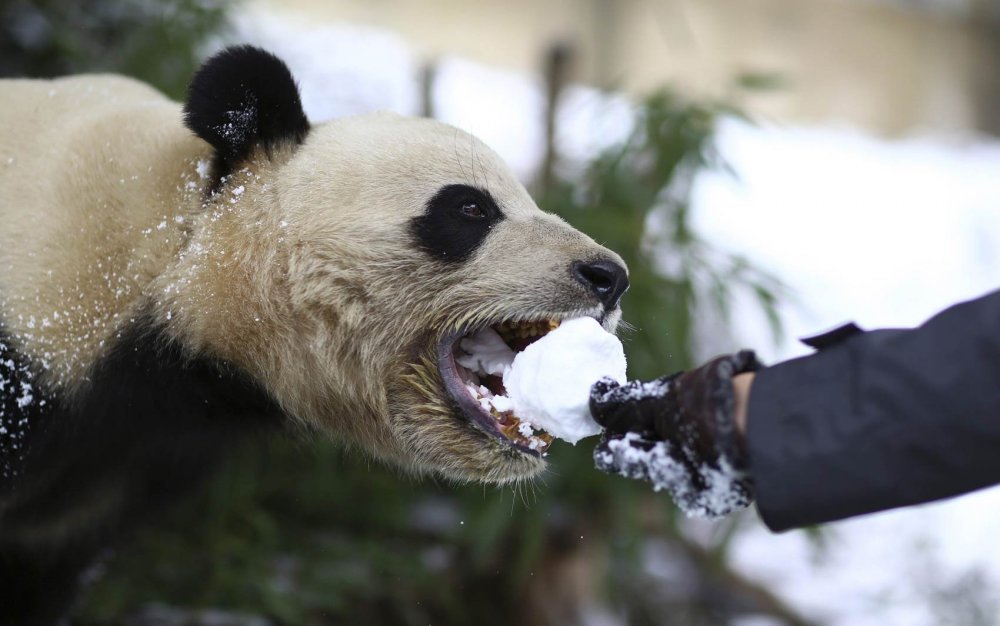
(455, 222)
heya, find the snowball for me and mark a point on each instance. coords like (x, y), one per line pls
(549, 381)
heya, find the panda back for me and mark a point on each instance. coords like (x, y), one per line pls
(93, 173)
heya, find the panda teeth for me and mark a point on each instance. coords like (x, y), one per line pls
(521, 432)
(509, 330)
(510, 426)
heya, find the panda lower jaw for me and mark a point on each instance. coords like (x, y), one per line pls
(505, 427)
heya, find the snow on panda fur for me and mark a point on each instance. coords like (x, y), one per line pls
(163, 291)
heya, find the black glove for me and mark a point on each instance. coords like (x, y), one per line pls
(678, 433)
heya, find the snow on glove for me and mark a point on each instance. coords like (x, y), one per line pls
(678, 433)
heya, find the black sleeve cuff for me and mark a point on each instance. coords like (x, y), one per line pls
(879, 420)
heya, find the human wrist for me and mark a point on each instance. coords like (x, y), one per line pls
(741, 400)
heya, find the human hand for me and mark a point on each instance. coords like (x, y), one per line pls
(679, 433)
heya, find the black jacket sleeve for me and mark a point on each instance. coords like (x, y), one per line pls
(879, 420)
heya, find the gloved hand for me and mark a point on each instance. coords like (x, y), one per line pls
(677, 432)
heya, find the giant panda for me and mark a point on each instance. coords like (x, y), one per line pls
(174, 278)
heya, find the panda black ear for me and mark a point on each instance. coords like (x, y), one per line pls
(242, 98)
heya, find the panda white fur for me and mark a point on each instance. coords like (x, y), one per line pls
(164, 292)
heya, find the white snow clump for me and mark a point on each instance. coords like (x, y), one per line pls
(632, 456)
(486, 353)
(548, 383)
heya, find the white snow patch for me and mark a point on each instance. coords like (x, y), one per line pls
(884, 233)
(637, 458)
(26, 397)
(486, 353)
(503, 404)
(202, 168)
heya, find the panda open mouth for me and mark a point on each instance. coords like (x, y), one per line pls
(482, 397)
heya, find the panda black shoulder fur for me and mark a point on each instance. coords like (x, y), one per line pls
(164, 293)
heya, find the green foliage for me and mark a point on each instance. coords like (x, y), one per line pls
(635, 199)
(156, 41)
(306, 535)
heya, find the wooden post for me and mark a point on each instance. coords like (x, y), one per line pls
(428, 74)
(558, 66)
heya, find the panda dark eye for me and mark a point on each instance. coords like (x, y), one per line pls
(472, 209)
(455, 222)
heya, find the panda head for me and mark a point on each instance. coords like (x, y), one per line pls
(339, 265)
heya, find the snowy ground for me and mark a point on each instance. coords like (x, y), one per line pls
(885, 233)
(881, 232)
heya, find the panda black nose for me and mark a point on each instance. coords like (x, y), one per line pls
(605, 279)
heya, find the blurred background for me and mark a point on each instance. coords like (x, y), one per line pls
(768, 168)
